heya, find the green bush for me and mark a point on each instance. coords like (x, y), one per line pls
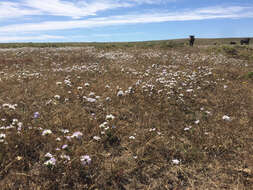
(230, 50)
(250, 75)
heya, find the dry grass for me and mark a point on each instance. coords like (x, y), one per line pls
(169, 130)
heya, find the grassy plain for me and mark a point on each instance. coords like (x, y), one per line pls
(147, 115)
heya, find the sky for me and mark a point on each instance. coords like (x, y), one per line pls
(123, 20)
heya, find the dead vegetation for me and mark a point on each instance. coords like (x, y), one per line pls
(126, 118)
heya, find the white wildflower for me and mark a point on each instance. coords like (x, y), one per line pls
(65, 131)
(5, 105)
(91, 100)
(58, 83)
(175, 161)
(226, 118)
(48, 155)
(49, 102)
(65, 146)
(36, 115)
(208, 112)
(18, 158)
(13, 107)
(86, 84)
(108, 99)
(110, 117)
(67, 82)
(120, 93)
(189, 90)
(58, 139)
(14, 121)
(103, 125)
(187, 128)
(77, 135)
(57, 97)
(66, 157)
(132, 137)
(50, 162)
(10, 106)
(2, 136)
(159, 91)
(79, 88)
(10, 127)
(20, 124)
(92, 94)
(85, 160)
(197, 122)
(97, 138)
(46, 132)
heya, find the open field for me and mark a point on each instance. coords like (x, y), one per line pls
(145, 44)
(151, 115)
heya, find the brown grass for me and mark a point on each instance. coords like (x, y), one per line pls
(172, 89)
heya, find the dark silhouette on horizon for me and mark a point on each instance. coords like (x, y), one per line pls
(245, 41)
(192, 39)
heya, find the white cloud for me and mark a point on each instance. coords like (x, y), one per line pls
(197, 14)
(71, 9)
(74, 9)
(12, 10)
(149, 1)
(28, 38)
(224, 10)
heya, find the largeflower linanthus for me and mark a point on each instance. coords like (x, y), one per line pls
(46, 132)
(77, 135)
(226, 118)
(36, 115)
(110, 117)
(51, 162)
(85, 160)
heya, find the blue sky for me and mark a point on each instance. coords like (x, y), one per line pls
(122, 20)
